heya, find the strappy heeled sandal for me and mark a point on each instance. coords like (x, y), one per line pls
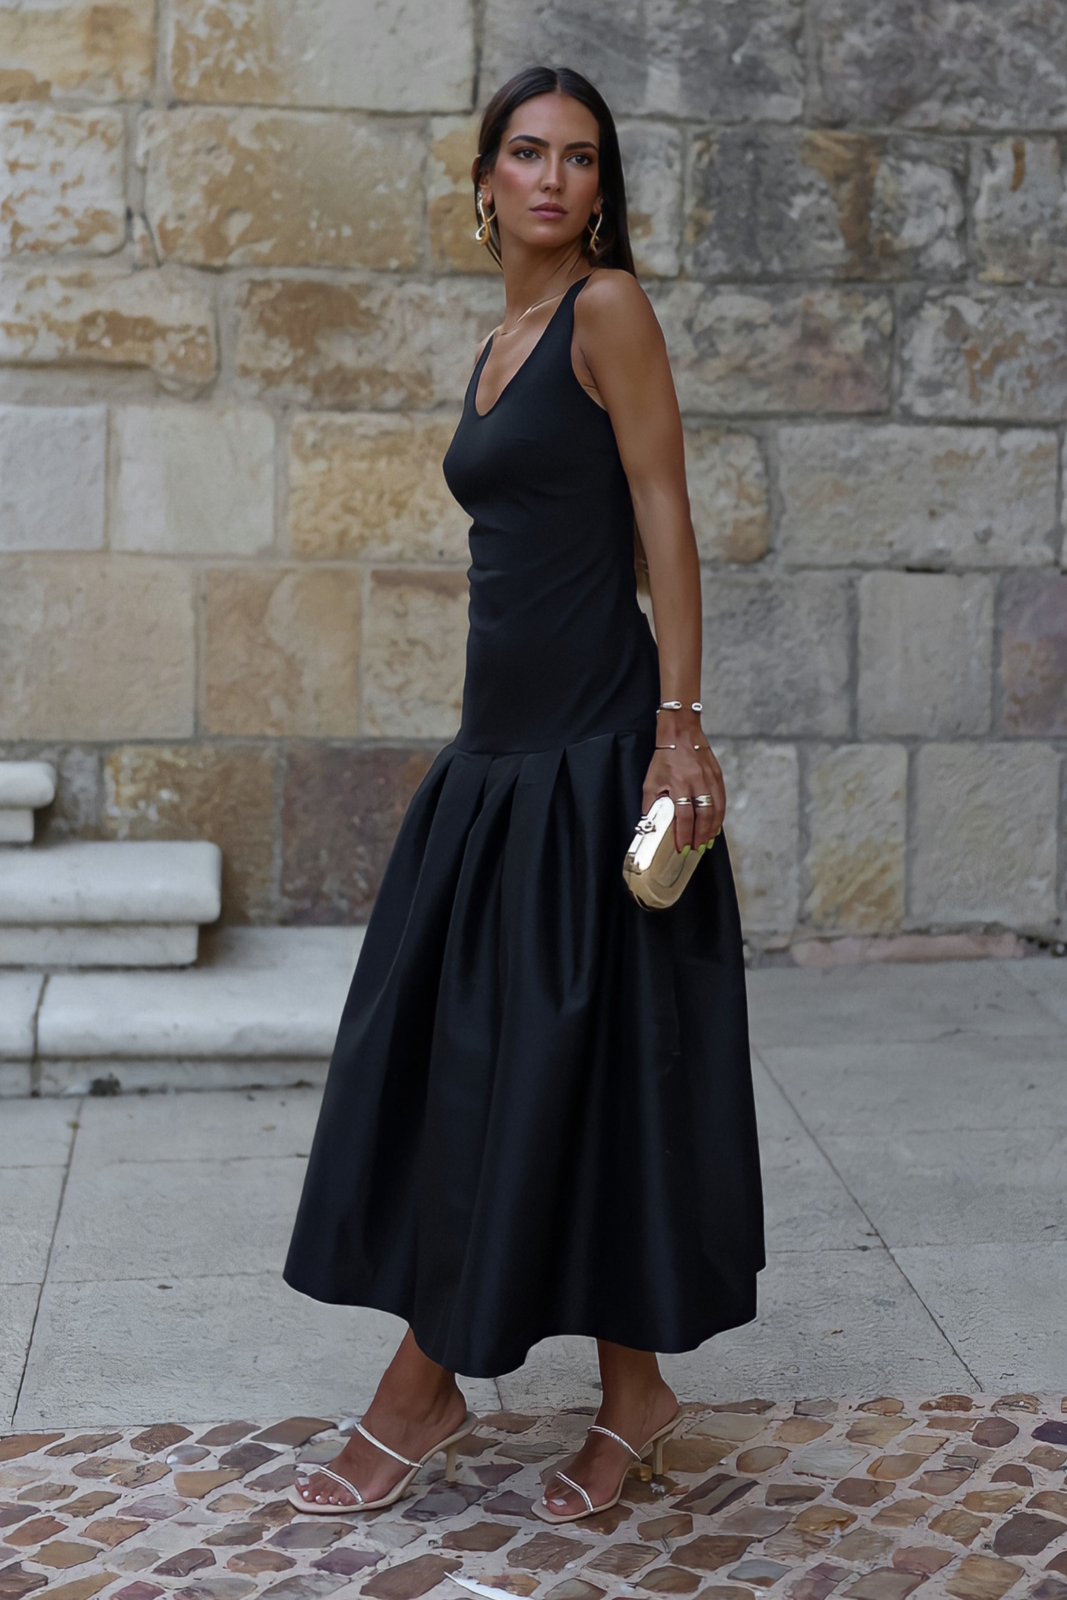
(319, 1508)
(655, 1444)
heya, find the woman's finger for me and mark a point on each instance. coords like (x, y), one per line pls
(683, 821)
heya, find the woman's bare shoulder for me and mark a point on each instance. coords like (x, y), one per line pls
(613, 301)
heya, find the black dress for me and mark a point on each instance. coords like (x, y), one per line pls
(538, 1117)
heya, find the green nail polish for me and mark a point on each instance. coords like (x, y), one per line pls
(703, 847)
(686, 849)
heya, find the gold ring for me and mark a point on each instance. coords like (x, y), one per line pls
(685, 800)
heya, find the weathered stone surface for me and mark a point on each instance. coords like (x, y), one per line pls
(184, 1562)
(98, 51)
(691, 60)
(947, 64)
(1033, 655)
(59, 683)
(450, 213)
(157, 319)
(52, 472)
(281, 651)
(1026, 1534)
(776, 654)
(971, 497)
(323, 53)
(985, 354)
(882, 1584)
(366, 343)
(728, 494)
(854, 866)
(372, 487)
(994, 1432)
(925, 654)
(962, 1526)
(191, 480)
(61, 181)
(414, 631)
(1020, 213)
(781, 202)
(986, 834)
(709, 1551)
(258, 188)
(983, 1578)
(763, 350)
(202, 791)
(652, 161)
(762, 822)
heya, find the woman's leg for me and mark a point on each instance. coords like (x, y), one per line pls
(416, 1403)
(636, 1403)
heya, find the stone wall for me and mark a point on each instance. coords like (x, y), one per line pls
(238, 305)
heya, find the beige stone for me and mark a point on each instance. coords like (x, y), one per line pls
(970, 497)
(415, 632)
(762, 831)
(925, 654)
(157, 319)
(450, 212)
(764, 350)
(259, 188)
(727, 494)
(985, 848)
(985, 355)
(191, 480)
(95, 648)
(1020, 213)
(52, 470)
(652, 163)
(371, 486)
(374, 343)
(96, 49)
(61, 181)
(854, 867)
(362, 54)
(281, 652)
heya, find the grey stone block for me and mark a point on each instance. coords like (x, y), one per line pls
(985, 846)
(762, 827)
(766, 350)
(971, 497)
(789, 203)
(1020, 213)
(776, 654)
(925, 654)
(946, 63)
(728, 494)
(985, 354)
(652, 161)
(682, 58)
(854, 867)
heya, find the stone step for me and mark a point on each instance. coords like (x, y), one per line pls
(260, 1009)
(25, 786)
(122, 903)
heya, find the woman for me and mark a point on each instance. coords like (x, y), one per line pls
(538, 1117)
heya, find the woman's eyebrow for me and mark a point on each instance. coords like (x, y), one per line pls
(531, 138)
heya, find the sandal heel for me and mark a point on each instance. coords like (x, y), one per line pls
(657, 1458)
(451, 1466)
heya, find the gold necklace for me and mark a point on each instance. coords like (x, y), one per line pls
(503, 332)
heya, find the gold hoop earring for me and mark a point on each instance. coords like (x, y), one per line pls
(591, 247)
(482, 232)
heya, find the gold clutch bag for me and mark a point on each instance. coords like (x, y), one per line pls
(653, 870)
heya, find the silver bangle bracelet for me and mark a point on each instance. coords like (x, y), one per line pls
(676, 705)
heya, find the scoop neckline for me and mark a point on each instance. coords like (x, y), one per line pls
(482, 415)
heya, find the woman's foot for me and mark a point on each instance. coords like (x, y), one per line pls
(601, 1464)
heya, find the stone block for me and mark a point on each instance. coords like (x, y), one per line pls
(705, 58)
(281, 652)
(762, 831)
(52, 477)
(1033, 655)
(415, 633)
(985, 835)
(20, 993)
(985, 354)
(943, 64)
(341, 809)
(768, 349)
(781, 202)
(201, 791)
(925, 654)
(61, 181)
(450, 213)
(25, 786)
(1020, 213)
(359, 54)
(16, 825)
(776, 654)
(371, 343)
(728, 494)
(968, 497)
(291, 189)
(157, 319)
(652, 163)
(95, 49)
(854, 866)
(95, 648)
(191, 480)
(371, 486)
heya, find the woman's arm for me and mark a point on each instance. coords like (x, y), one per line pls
(621, 344)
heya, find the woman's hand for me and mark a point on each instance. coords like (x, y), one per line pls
(686, 773)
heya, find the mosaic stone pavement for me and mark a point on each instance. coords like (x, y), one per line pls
(958, 1495)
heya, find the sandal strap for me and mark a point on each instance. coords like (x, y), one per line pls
(327, 1472)
(596, 1427)
(388, 1450)
(563, 1478)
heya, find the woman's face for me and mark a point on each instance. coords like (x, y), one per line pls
(546, 180)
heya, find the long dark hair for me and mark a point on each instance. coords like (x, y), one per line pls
(612, 248)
